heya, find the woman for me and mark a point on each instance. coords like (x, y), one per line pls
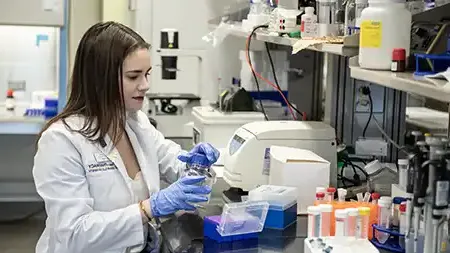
(99, 162)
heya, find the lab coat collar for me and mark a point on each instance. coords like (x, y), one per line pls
(139, 138)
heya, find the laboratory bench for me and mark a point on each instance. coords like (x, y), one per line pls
(185, 234)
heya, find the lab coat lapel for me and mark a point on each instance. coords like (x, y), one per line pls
(142, 146)
(110, 151)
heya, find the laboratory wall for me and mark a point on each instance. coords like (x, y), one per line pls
(83, 14)
(119, 11)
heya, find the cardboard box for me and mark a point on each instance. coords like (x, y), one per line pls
(299, 168)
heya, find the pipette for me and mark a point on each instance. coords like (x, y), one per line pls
(420, 183)
(431, 223)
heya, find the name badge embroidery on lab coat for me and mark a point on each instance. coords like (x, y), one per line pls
(102, 163)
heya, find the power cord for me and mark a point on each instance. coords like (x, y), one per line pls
(366, 91)
(276, 79)
(294, 116)
(253, 72)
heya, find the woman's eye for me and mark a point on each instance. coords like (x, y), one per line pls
(133, 77)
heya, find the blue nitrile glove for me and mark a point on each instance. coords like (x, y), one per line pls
(202, 149)
(177, 195)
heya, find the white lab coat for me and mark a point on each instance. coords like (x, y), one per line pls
(87, 197)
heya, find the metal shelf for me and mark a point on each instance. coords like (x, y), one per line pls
(407, 82)
(349, 48)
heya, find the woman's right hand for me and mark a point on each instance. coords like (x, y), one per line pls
(178, 195)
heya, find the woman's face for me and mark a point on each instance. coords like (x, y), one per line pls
(136, 70)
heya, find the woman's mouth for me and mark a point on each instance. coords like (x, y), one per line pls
(139, 98)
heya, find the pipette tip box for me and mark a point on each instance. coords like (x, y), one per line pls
(279, 218)
(283, 205)
(210, 225)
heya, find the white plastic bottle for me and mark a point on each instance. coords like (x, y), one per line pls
(309, 23)
(385, 25)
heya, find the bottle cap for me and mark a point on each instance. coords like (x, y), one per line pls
(352, 211)
(331, 190)
(313, 210)
(364, 211)
(9, 93)
(342, 191)
(403, 162)
(399, 54)
(309, 10)
(398, 200)
(340, 213)
(376, 196)
(402, 207)
(326, 208)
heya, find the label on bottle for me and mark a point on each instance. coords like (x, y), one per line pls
(370, 34)
(442, 188)
(394, 66)
(308, 27)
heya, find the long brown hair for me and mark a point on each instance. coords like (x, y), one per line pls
(96, 83)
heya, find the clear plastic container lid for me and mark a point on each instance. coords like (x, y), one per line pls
(279, 197)
(243, 218)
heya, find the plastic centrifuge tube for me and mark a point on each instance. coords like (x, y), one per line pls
(340, 222)
(325, 219)
(363, 223)
(384, 216)
(342, 193)
(366, 197)
(330, 194)
(313, 221)
(352, 215)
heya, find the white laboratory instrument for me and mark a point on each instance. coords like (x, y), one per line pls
(284, 18)
(173, 109)
(246, 154)
(216, 127)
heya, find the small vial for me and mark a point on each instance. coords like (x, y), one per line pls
(396, 212)
(398, 60)
(352, 215)
(375, 197)
(320, 196)
(362, 224)
(402, 228)
(341, 222)
(330, 194)
(313, 221)
(325, 219)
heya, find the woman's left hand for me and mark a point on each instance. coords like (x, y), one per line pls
(205, 149)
